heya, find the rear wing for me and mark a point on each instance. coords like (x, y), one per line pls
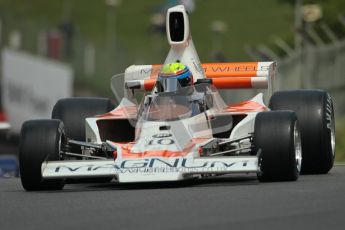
(234, 75)
(237, 75)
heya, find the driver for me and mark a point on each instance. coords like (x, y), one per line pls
(177, 78)
(173, 78)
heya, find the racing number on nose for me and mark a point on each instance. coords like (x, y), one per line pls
(160, 139)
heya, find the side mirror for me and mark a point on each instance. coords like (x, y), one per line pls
(202, 84)
(203, 81)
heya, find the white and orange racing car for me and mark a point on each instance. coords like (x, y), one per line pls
(182, 128)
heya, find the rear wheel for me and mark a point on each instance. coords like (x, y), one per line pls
(314, 110)
(278, 146)
(40, 141)
(73, 111)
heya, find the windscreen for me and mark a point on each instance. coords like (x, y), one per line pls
(198, 108)
(118, 87)
(184, 103)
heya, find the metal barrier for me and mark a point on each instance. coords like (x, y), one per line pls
(316, 68)
(312, 68)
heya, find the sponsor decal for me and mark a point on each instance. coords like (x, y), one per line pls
(329, 112)
(197, 67)
(155, 165)
(241, 68)
(23, 95)
(152, 71)
(145, 71)
(162, 135)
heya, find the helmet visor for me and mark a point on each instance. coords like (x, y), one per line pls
(173, 84)
(168, 84)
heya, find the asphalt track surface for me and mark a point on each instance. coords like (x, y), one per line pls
(236, 202)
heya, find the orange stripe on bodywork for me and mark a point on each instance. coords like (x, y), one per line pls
(120, 112)
(218, 70)
(232, 83)
(246, 107)
(127, 150)
(149, 84)
(156, 69)
(153, 153)
(233, 69)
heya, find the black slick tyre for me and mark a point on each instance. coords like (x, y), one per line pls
(40, 141)
(277, 144)
(73, 111)
(314, 110)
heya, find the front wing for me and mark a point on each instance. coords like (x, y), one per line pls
(150, 169)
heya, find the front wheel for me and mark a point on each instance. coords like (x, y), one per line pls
(278, 146)
(40, 141)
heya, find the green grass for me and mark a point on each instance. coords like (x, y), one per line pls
(248, 22)
(340, 140)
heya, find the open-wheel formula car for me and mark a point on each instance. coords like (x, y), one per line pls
(182, 128)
